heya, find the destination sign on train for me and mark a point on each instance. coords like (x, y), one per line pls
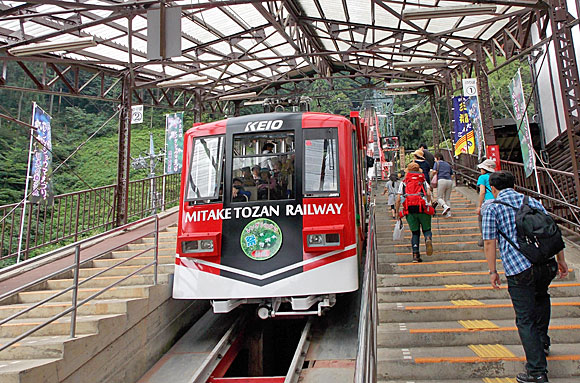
(263, 211)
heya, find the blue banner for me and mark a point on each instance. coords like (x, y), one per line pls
(42, 188)
(464, 138)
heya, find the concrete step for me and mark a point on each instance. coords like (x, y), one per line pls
(439, 245)
(94, 307)
(464, 292)
(429, 266)
(145, 249)
(463, 363)
(117, 292)
(438, 255)
(140, 260)
(38, 347)
(86, 324)
(445, 238)
(55, 284)
(468, 309)
(165, 268)
(35, 370)
(451, 277)
(466, 332)
(164, 241)
(438, 230)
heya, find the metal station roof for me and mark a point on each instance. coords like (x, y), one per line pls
(241, 45)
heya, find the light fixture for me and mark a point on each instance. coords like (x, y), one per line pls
(438, 12)
(257, 102)
(407, 84)
(239, 96)
(183, 81)
(53, 46)
(401, 93)
(421, 64)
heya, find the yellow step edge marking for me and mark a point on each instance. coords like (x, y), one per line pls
(457, 286)
(499, 380)
(450, 272)
(478, 324)
(468, 302)
(491, 351)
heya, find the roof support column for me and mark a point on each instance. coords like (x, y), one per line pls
(484, 99)
(124, 159)
(434, 119)
(569, 81)
(449, 99)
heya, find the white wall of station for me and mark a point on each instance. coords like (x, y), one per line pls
(553, 120)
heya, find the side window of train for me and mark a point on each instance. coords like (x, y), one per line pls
(205, 180)
(263, 167)
(321, 167)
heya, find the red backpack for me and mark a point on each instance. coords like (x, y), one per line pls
(414, 193)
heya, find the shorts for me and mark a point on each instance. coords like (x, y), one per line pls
(418, 220)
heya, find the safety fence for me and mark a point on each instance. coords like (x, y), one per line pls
(557, 190)
(77, 215)
(366, 359)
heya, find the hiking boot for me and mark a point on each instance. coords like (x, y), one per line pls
(525, 378)
(446, 210)
(429, 246)
(417, 258)
(480, 242)
(434, 204)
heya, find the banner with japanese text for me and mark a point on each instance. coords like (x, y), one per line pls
(41, 167)
(464, 137)
(470, 91)
(522, 124)
(173, 142)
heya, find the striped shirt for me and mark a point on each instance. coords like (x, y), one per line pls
(500, 217)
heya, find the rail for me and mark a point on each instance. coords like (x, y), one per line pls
(74, 288)
(366, 359)
(73, 216)
(557, 190)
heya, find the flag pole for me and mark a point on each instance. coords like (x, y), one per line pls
(26, 185)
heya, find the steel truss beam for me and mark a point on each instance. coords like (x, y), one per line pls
(569, 81)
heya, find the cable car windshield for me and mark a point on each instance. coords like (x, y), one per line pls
(204, 178)
(263, 167)
(321, 162)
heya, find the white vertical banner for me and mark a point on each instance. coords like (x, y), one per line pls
(471, 92)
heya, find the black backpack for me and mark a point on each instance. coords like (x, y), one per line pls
(538, 236)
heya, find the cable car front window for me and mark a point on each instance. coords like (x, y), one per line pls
(321, 162)
(204, 177)
(263, 167)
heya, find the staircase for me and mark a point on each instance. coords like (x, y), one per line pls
(118, 334)
(440, 320)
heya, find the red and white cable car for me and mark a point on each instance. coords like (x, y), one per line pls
(271, 212)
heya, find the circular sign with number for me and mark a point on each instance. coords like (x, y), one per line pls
(261, 239)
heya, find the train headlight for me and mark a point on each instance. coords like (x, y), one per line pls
(197, 246)
(206, 244)
(315, 240)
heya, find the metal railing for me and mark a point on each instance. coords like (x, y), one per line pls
(73, 216)
(557, 189)
(76, 283)
(366, 359)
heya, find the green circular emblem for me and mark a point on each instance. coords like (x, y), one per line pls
(261, 239)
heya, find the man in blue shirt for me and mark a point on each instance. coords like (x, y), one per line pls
(527, 283)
